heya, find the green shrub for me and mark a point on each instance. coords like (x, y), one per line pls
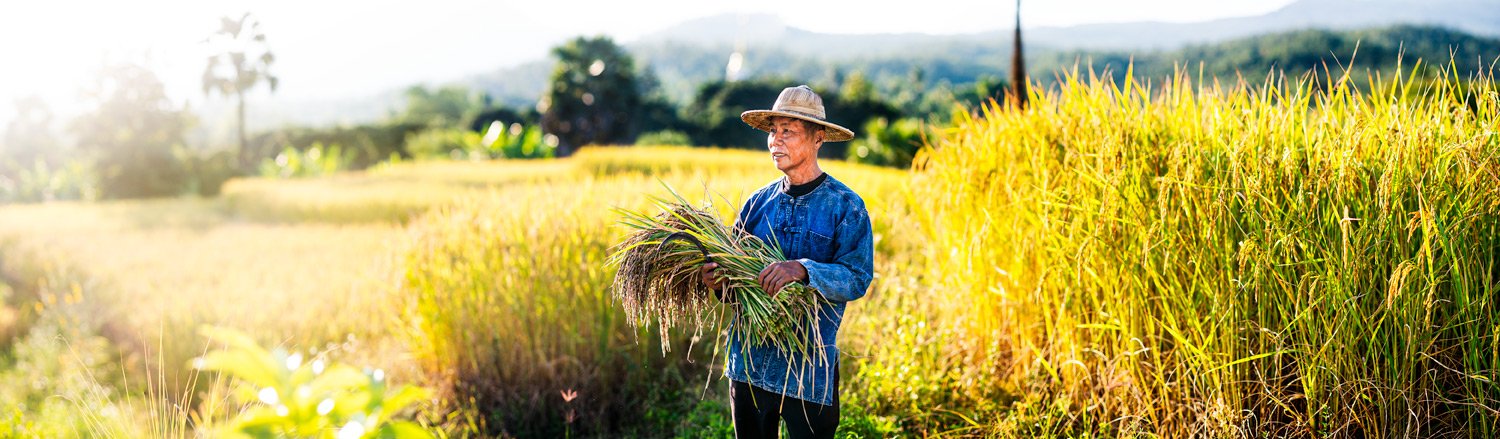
(498, 142)
(887, 143)
(709, 418)
(518, 142)
(58, 376)
(314, 161)
(41, 181)
(445, 144)
(55, 382)
(367, 144)
(855, 423)
(285, 396)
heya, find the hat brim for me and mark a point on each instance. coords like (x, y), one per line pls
(761, 120)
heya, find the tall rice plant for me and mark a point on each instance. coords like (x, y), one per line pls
(1302, 259)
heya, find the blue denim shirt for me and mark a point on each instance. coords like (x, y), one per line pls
(828, 232)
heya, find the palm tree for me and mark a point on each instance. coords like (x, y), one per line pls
(240, 60)
(1018, 66)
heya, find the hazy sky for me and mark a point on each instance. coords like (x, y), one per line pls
(343, 48)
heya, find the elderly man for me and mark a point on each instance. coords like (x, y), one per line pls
(824, 230)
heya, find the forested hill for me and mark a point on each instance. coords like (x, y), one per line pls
(681, 67)
(1479, 17)
(1361, 51)
(686, 55)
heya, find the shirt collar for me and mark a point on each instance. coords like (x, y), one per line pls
(802, 189)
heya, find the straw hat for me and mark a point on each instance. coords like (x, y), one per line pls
(797, 102)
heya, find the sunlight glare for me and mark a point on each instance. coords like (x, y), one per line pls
(352, 430)
(268, 396)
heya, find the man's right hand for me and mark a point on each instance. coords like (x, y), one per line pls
(710, 276)
(712, 280)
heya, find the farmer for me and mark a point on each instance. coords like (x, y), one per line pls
(824, 230)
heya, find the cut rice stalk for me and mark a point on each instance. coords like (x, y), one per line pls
(657, 278)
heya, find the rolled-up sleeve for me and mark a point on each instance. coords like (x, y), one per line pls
(847, 277)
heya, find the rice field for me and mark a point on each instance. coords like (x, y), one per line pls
(1186, 259)
(1200, 260)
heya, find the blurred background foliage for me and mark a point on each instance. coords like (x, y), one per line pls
(592, 95)
(129, 137)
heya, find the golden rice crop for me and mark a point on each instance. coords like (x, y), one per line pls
(1300, 259)
(390, 193)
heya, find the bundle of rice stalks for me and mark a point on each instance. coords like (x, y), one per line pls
(657, 278)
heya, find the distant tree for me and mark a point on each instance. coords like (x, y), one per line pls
(656, 113)
(886, 142)
(715, 111)
(853, 107)
(857, 88)
(984, 89)
(907, 91)
(241, 59)
(591, 95)
(446, 107)
(1296, 53)
(1018, 65)
(131, 133)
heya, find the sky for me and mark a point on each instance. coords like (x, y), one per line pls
(340, 49)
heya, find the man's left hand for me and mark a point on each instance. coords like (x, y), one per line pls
(777, 275)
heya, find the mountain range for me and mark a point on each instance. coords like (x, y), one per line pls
(691, 52)
(696, 50)
(1478, 17)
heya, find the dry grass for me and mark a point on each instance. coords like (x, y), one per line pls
(146, 275)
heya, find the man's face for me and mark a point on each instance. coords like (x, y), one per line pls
(791, 144)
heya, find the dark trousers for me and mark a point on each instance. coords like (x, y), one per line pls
(758, 413)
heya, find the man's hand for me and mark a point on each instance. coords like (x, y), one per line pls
(711, 277)
(777, 275)
(714, 281)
